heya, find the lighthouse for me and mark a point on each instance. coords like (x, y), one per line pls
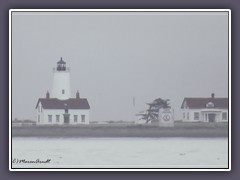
(59, 107)
(61, 81)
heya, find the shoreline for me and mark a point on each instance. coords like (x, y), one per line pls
(124, 130)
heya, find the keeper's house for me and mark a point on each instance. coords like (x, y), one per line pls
(210, 109)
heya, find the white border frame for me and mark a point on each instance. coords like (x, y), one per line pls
(119, 10)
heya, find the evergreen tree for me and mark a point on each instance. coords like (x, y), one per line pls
(153, 109)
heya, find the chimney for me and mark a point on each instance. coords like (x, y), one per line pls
(77, 95)
(213, 95)
(47, 95)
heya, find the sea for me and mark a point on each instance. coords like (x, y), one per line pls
(124, 152)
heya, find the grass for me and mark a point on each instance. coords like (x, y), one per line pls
(124, 130)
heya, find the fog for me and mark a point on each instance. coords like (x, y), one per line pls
(115, 57)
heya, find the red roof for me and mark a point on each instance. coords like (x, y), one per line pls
(199, 103)
(72, 103)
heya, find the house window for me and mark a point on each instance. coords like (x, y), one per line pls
(210, 105)
(187, 116)
(63, 92)
(41, 108)
(39, 118)
(75, 118)
(49, 118)
(57, 118)
(183, 115)
(224, 116)
(196, 116)
(83, 118)
(38, 108)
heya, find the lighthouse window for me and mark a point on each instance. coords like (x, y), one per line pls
(63, 91)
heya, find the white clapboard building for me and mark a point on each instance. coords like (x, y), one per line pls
(59, 107)
(209, 109)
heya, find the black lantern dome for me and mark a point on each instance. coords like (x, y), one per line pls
(61, 65)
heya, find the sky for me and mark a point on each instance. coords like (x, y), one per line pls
(115, 57)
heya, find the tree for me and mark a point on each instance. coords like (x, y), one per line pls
(152, 112)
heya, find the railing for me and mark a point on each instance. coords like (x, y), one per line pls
(66, 70)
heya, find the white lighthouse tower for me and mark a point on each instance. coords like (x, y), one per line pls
(61, 81)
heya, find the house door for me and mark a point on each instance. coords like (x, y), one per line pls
(211, 117)
(66, 118)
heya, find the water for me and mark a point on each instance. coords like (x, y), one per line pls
(120, 152)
